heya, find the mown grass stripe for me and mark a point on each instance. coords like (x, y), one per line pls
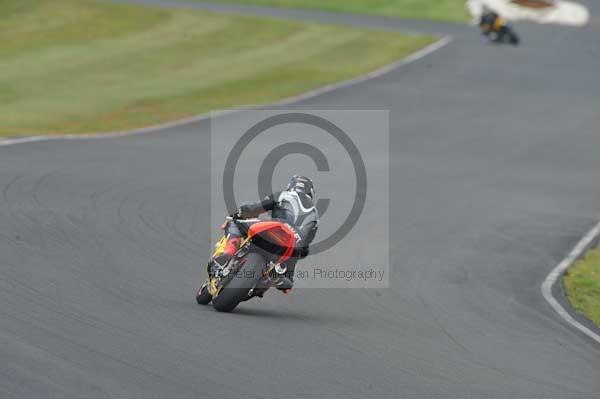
(81, 66)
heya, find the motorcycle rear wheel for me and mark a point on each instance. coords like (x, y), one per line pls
(238, 288)
(513, 39)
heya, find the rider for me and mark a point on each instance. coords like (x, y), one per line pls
(293, 206)
(490, 21)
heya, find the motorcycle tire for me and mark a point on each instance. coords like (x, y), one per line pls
(494, 37)
(513, 39)
(203, 297)
(509, 36)
(238, 288)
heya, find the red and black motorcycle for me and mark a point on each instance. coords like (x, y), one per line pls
(255, 268)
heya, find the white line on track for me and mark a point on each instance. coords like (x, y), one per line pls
(582, 246)
(425, 51)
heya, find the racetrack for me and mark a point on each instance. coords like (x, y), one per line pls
(494, 178)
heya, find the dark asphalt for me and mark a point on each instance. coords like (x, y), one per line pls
(495, 175)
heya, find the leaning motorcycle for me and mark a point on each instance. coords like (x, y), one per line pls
(254, 268)
(499, 31)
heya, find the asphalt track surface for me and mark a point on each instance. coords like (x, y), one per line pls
(494, 178)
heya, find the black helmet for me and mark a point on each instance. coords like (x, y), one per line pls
(302, 184)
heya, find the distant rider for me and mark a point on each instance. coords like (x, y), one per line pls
(490, 21)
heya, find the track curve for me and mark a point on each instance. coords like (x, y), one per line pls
(495, 176)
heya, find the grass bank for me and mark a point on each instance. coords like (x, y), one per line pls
(582, 282)
(72, 66)
(439, 10)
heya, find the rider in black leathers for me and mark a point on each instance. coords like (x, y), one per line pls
(293, 206)
(488, 21)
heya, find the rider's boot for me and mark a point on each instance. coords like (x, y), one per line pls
(284, 284)
(285, 280)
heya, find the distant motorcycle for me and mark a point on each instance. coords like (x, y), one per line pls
(254, 268)
(497, 30)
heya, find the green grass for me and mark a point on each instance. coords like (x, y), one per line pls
(439, 10)
(582, 282)
(72, 66)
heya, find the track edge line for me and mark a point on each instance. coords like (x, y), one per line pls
(580, 248)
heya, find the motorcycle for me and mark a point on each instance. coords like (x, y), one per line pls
(255, 267)
(497, 30)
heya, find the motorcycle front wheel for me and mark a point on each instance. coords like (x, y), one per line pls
(203, 297)
(238, 288)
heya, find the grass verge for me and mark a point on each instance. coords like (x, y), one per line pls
(582, 283)
(439, 10)
(73, 66)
